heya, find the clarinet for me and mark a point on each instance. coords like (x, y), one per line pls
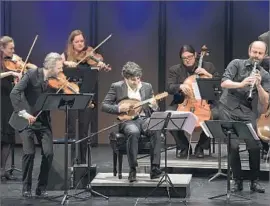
(254, 71)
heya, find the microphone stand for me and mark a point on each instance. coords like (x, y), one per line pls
(89, 187)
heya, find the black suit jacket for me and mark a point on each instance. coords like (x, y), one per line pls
(24, 96)
(178, 74)
(119, 91)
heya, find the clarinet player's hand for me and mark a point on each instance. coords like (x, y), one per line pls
(248, 81)
(258, 79)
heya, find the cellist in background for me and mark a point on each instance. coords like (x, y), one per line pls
(265, 64)
(176, 77)
(76, 50)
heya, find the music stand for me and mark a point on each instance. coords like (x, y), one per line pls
(64, 102)
(170, 120)
(85, 76)
(231, 130)
(211, 90)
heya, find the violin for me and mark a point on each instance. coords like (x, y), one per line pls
(61, 83)
(92, 58)
(16, 64)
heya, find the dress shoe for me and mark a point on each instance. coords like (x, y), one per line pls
(199, 152)
(155, 173)
(41, 193)
(27, 193)
(184, 153)
(256, 187)
(8, 176)
(238, 185)
(132, 175)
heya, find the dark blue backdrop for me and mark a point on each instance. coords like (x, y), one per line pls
(149, 33)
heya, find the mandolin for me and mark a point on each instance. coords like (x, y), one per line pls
(136, 106)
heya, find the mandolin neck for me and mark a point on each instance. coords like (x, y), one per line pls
(139, 104)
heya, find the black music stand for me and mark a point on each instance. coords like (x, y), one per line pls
(85, 76)
(64, 102)
(211, 90)
(164, 121)
(231, 130)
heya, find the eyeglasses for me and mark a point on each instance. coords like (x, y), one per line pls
(187, 57)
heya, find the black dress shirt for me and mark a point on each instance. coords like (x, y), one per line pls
(237, 71)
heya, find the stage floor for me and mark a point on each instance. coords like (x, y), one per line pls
(208, 164)
(200, 188)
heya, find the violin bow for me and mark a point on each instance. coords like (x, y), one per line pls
(87, 55)
(34, 42)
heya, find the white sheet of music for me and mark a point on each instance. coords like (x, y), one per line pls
(189, 124)
(196, 91)
(206, 130)
(251, 129)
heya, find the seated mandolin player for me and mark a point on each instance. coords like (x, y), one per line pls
(133, 88)
(176, 87)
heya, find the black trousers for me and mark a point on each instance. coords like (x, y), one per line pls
(133, 129)
(44, 137)
(181, 139)
(85, 118)
(242, 114)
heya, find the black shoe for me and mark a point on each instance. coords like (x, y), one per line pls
(8, 176)
(155, 173)
(41, 193)
(132, 175)
(256, 187)
(27, 193)
(199, 152)
(238, 185)
(184, 153)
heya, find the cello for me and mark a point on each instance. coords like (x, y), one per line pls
(199, 107)
(263, 126)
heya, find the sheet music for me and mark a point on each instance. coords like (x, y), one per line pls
(251, 129)
(196, 91)
(189, 124)
(206, 130)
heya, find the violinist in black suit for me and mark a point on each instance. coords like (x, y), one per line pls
(24, 96)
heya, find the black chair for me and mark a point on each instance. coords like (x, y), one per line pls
(118, 143)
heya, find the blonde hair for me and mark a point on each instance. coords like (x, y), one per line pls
(71, 56)
(4, 41)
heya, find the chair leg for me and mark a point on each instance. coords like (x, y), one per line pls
(120, 162)
(114, 163)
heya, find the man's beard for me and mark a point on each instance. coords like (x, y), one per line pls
(253, 60)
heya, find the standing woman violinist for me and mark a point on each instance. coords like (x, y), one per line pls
(76, 50)
(7, 78)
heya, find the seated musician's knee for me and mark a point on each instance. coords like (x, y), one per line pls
(48, 153)
(132, 132)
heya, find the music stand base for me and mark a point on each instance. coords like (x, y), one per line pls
(92, 192)
(13, 168)
(165, 178)
(218, 174)
(65, 198)
(228, 196)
